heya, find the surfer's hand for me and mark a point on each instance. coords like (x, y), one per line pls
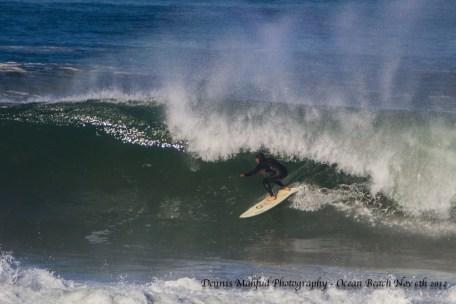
(242, 174)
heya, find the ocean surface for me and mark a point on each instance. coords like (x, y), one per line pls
(124, 126)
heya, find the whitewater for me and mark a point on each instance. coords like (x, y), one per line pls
(34, 285)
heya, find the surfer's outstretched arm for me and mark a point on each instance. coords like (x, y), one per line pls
(254, 171)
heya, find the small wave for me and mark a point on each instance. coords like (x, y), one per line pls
(111, 95)
(31, 67)
(27, 49)
(12, 67)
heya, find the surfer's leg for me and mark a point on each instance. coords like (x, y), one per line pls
(267, 186)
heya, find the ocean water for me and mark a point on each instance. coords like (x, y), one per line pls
(124, 126)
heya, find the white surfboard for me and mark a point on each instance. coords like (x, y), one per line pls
(265, 205)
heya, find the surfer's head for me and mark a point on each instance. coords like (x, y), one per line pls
(259, 157)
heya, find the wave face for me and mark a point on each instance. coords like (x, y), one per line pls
(406, 156)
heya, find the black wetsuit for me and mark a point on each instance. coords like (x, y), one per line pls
(277, 173)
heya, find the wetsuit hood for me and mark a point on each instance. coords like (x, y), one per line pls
(260, 156)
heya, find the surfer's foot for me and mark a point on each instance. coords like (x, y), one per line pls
(286, 188)
(271, 198)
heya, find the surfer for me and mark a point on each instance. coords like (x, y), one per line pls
(276, 170)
